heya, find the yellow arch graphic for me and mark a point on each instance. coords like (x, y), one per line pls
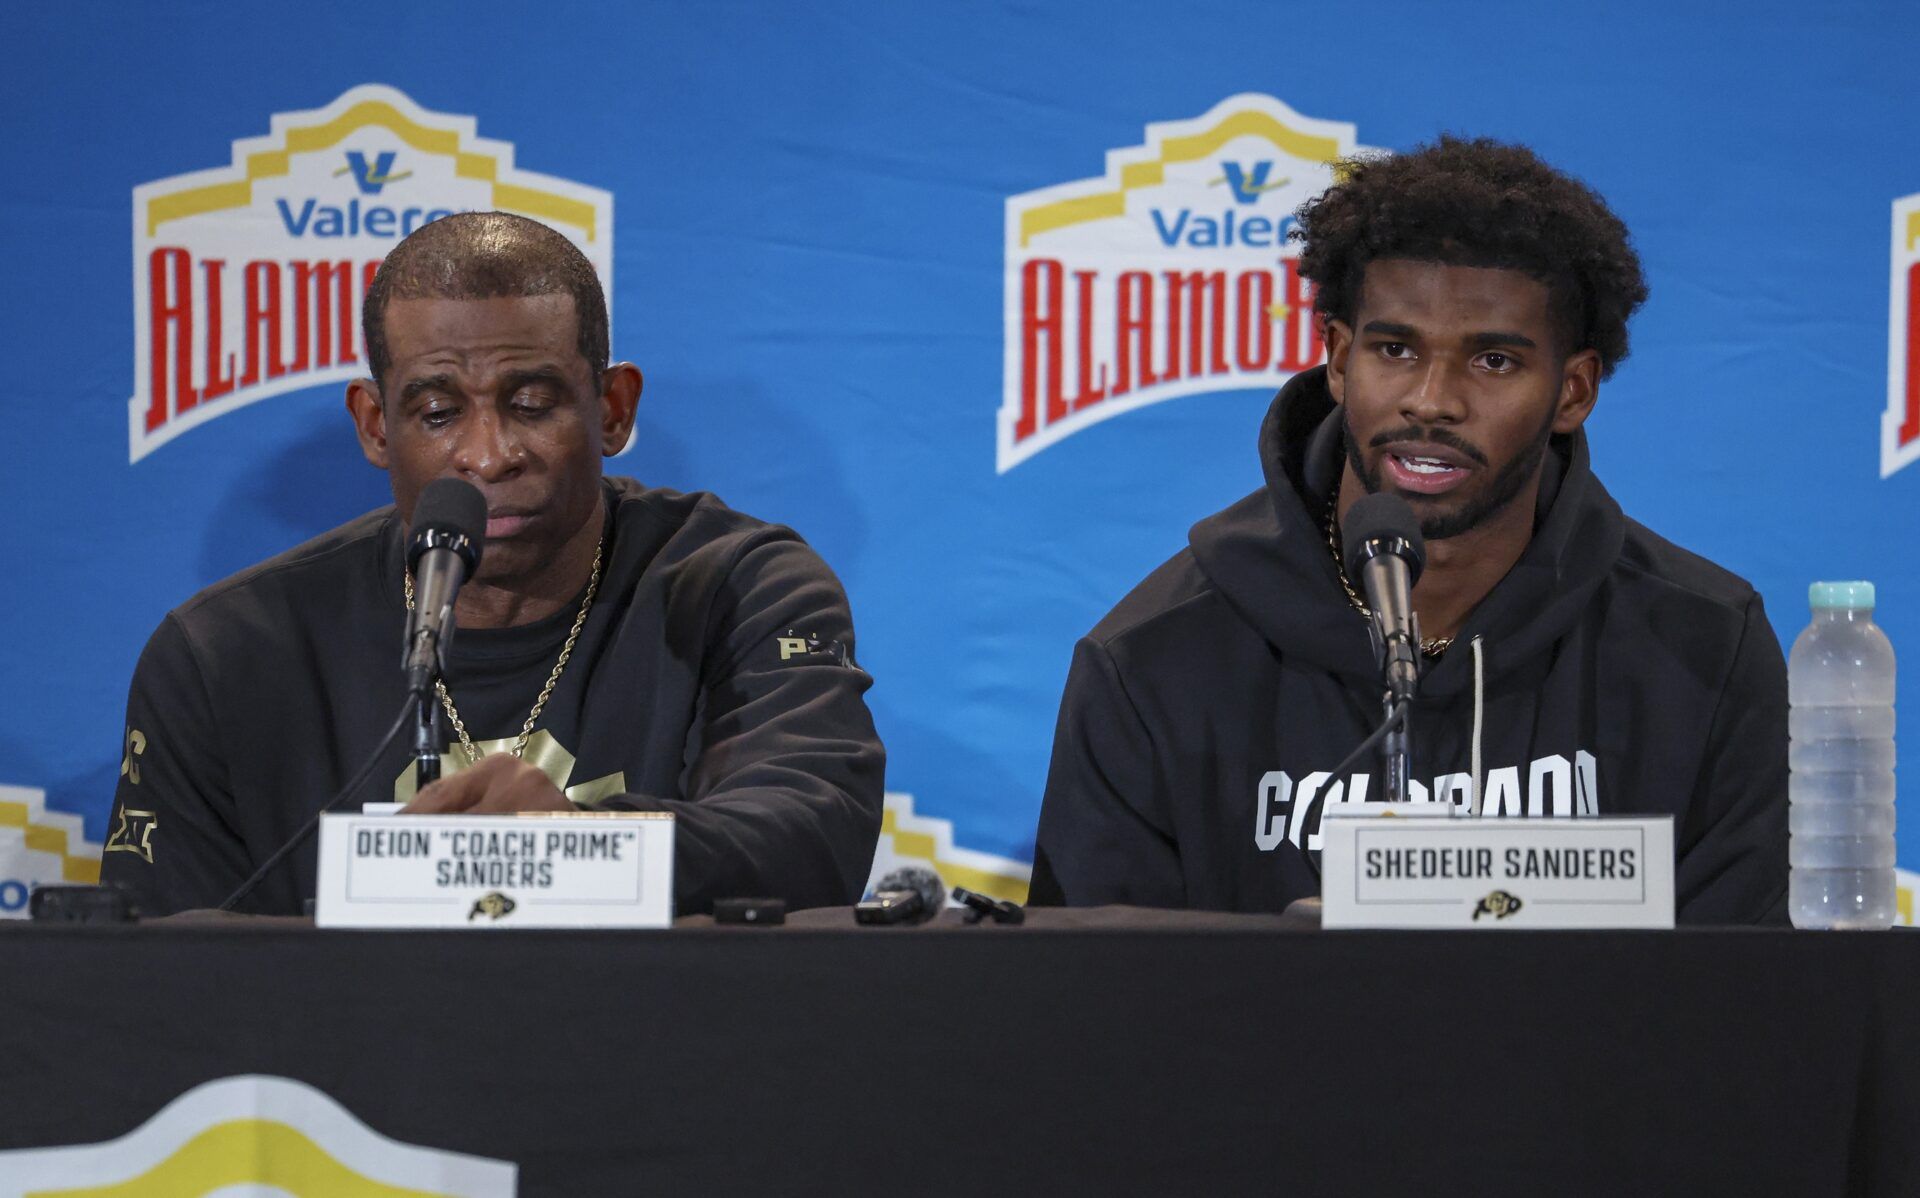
(268, 164)
(46, 838)
(920, 844)
(246, 1152)
(1250, 122)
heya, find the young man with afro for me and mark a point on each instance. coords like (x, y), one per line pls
(1573, 662)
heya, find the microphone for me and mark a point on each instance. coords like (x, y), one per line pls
(909, 895)
(1383, 548)
(443, 551)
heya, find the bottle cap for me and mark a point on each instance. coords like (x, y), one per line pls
(1840, 594)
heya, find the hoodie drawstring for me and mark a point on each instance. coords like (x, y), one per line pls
(1479, 711)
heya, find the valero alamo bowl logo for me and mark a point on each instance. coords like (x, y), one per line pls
(1170, 275)
(250, 1135)
(247, 278)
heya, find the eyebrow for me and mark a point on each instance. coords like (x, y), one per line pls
(511, 382)
(1407, 332)
(517, 379)
(432, 382)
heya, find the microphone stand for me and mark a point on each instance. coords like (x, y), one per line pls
(426, 745)
(1396, 753)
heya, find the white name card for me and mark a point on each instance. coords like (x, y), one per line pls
(1468, 872)
(545, 870)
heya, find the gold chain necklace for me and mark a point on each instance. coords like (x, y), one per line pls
(1432, 646)
(526, 730)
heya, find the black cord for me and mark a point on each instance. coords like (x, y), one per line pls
(399, 726)
(1397, 719)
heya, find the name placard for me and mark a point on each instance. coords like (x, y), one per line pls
(545, 870)
(1469, 872)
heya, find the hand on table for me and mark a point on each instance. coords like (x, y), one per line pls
(496, 785)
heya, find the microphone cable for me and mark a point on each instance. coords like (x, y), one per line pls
(1402, 712)
(400, 725)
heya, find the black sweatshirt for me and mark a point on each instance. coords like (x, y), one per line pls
(714, 678)
(1619, 675)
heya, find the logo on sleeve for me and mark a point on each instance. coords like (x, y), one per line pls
(133, 833)
(130, 752)
(808, 648)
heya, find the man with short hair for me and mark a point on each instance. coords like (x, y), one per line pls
(619, 647)
(1574, 663)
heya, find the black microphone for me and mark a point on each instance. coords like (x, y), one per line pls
(1383, 548)
(909, 895)
(443, 551)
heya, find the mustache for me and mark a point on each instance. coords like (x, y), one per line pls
(1414, 434)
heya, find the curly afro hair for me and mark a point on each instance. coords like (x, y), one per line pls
(1477, 202)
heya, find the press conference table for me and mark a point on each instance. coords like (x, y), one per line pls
(1098, 1052)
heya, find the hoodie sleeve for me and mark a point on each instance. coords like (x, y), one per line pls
(1104, 832)
(781, 795)
(1732, 850)
(172, 840)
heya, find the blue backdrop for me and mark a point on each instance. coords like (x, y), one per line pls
(810, 242)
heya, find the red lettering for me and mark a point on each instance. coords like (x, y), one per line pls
(1039, 333)
(1253, 324)
(263, 321)
(1298, 352)
(1200, 287)
(1088, 394)
(323, 278)
(219, 382)
(170, 313)
(1134, 332)
(368, 270)
(1910, 427)
(303, 334)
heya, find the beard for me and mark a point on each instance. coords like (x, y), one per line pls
(1507, 482)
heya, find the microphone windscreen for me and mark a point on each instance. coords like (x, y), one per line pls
(1381, 517)
(922, 881)
(450, 507)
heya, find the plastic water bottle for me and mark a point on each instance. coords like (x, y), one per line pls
(1840, 730)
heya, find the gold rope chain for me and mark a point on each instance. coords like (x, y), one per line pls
(526, 731)
(1432, 646)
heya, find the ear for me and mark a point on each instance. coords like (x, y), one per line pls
(369, 419)
(1339, 338)
(619, 400)
(1579, 391)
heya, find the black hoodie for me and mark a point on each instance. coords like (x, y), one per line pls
(1617, 674)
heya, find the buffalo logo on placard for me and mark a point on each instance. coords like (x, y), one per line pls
(494, 905)
(1499, 904)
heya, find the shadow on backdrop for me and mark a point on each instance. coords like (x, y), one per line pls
(292, 494)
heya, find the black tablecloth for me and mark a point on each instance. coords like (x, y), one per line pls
(1085, 1052)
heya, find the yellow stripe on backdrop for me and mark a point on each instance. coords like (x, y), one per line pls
(907, 838)
(267, 164)
(1104, 205)
(79, 860)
